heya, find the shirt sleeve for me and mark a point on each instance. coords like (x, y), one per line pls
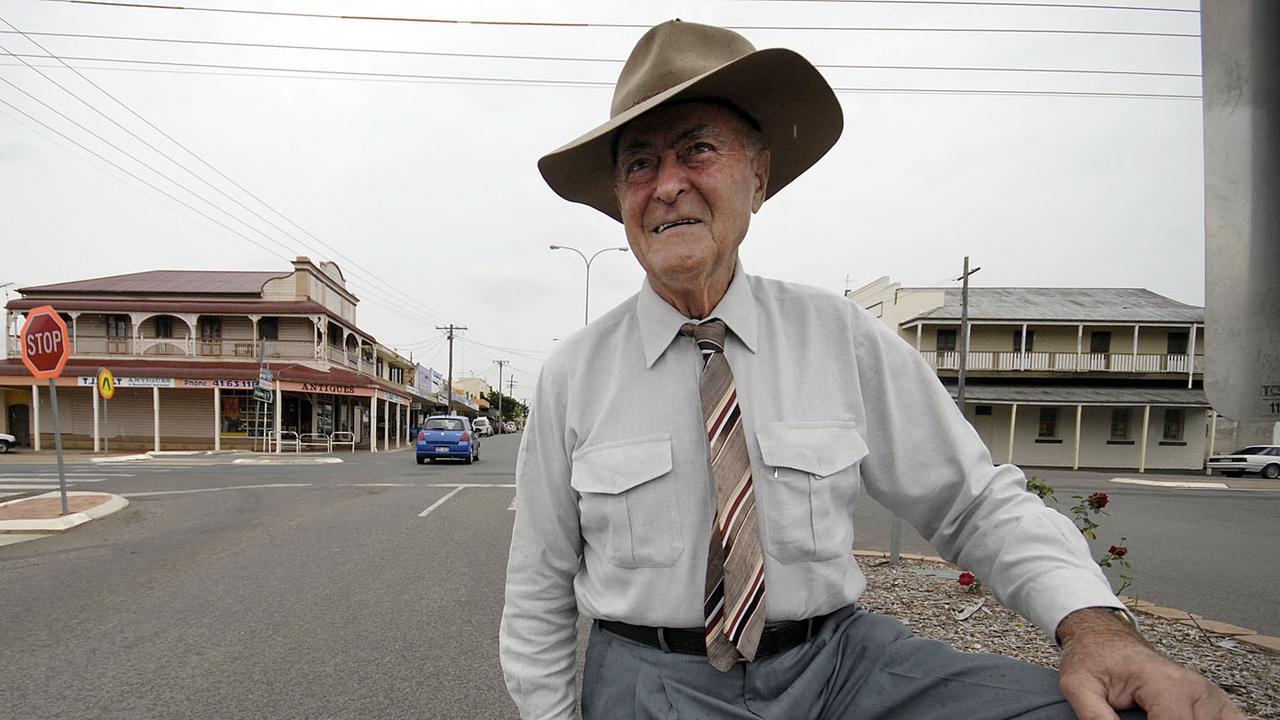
(538, 637)
(929, 466)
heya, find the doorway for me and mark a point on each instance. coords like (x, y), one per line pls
(20, 424)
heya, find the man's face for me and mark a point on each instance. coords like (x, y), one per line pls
(688, 177)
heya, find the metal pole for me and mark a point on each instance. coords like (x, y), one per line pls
(57, 443)
(106, 427)
(964, 334)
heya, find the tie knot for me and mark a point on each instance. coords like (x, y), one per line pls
(708, 334)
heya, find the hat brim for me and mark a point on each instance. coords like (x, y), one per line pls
(799, 116)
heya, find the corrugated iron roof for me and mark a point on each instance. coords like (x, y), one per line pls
(1092, 305)
(1084, 395)
(169, 282)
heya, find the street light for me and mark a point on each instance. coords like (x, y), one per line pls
(587, 302)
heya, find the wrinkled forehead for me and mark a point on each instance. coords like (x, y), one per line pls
(667, 123)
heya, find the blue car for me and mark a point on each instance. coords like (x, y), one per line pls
(448, 436)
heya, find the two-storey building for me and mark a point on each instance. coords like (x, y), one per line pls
(188, 348)
(1065, 377)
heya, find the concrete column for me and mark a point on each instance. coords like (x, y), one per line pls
(1191, 356)
(1075, 464)
(35, 417)
(1079, 346)
(279, 412)
(399, 426)
(217, 418)
(155, 416)
(1013, 421)
(919, 333)
(1135, 347)
(1022, 349)
(96, 431)
(373, 422)
(1213, 436)
(386, 424)
(1146, 423)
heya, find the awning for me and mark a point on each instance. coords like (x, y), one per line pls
(1082, 395)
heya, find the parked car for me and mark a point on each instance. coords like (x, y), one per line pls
(1262, 459)
(482, 426)
(447, 436)
(510, 426)
(7, 441)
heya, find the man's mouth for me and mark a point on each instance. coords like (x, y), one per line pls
(667, 226)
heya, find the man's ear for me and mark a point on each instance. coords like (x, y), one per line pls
(760, 169)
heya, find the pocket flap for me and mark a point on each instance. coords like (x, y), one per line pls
(821, 448)
(616, 467)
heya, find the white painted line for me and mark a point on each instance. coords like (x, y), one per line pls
(1173, 484)
(512, 506)
(381, 484)
(53, 479)
(69, 473)
(470, 485)
(19, 486)
(290, 461)
(217, 489)
(441, 501)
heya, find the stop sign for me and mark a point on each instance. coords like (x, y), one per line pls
(44, 343)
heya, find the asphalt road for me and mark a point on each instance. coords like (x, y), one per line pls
(319, 591)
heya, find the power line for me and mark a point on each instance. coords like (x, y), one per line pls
(560, 58)
(638, 26)
(979, 3)
(601, 84)
(372, 282)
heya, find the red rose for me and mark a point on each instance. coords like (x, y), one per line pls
(1118, 550)
(1097, 501)
(966, 579)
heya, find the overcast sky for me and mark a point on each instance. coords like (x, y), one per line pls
(429, 189)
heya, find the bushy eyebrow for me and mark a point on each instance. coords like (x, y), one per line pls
(698, 132)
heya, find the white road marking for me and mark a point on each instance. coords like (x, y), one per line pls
(471, 485)
(19, 486)
(512, 506)
(217, 489)
(380, 484)
(70, 473)
(287, 461)
(456, 489)
(1173, 484)
(47, 478)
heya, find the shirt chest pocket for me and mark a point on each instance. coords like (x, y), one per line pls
(811, 476)
(627, 508)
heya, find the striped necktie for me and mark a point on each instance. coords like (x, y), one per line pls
(734, 605)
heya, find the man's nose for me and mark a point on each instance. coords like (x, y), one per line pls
(673, 178)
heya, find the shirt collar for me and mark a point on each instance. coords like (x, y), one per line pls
(660, 322)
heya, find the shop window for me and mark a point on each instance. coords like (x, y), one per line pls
(269, 328)
(1048, 423)
(1174, 421)
(1017, 340)
(946, 340)
(242, 416)
(1120, 423)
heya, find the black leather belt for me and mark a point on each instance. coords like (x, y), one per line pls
(775, 638)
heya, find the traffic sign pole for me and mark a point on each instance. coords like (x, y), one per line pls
(57, 442)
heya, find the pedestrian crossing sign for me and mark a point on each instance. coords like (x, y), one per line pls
(106, 384)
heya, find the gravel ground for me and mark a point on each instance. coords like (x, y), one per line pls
(927, 598)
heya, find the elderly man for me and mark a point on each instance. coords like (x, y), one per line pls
(694, 456)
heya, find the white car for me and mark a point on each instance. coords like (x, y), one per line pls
(1261, 459)
(482, 426)
(7, 441)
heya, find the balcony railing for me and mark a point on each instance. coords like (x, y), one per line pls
(1064, 362)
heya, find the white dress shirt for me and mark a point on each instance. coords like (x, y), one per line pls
(614, 503)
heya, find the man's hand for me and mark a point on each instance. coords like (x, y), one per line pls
(1106, 665)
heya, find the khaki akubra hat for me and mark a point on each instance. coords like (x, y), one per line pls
(797, 111)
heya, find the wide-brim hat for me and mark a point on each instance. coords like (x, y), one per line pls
(797, 112)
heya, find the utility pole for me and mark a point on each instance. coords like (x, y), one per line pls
(450, 329)
(964, 330)
(500, 363)
(511, 384)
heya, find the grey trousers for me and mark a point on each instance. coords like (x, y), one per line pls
(861, 666)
